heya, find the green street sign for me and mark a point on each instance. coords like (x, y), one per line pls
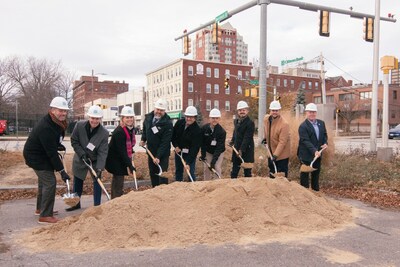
(254, 82)
(222, 17)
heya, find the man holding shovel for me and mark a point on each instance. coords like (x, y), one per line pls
(242, 141)
(157, 134)
(90, 141)
(277, 139)
(213, 144)
(312, 139)
(41, 154)
(186, 138)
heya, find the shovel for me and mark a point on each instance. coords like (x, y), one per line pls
(161, 174)
(71, 199)
(306, 168)
(93, 172)
(211, 169)
(184, 166)
(244, 165)
(134, 174)
(276, 173)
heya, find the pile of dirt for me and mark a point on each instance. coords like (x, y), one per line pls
(182, 214)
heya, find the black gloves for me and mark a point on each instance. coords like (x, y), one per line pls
(61, 147)
(212, 166)
(85, 158)
(264, 141)
(98, 173)
(231, 143)
(274, 157)
(131, 168)
(64, 176)
(202, 158)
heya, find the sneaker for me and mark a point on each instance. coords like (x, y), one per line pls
(47, 220)
(37, 212)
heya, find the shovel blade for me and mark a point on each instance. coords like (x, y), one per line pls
(305, 168)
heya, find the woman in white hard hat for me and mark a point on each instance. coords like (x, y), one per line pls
(312, 138)
(90, 141)
(186, 140)
(277, 137)
(120, 151)
(213, 143)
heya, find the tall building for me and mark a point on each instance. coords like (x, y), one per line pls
(232, 49)
(395, 76)
(89, 88)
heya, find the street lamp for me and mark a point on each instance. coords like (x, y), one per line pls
(100, 73)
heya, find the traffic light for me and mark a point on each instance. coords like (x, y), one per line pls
(324, 19)
(216, 34)
(369, 29)
(337, 110)
(186, 44)
(226, 83)
(102, 106)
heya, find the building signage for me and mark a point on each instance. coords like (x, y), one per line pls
(284, 62)
(199, 69)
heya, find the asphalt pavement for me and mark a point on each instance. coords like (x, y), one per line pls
(373, 240)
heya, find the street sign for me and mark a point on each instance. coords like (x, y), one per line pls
(222, 17)
(254, 82)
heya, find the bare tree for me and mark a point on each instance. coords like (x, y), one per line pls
(6, 89)
(349, 111)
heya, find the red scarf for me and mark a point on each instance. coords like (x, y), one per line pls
(130, 141)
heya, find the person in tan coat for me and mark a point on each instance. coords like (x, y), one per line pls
(277, 139)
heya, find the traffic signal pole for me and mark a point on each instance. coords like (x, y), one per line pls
(263, 75)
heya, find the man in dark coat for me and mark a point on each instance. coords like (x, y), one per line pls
(157, 134)
(90, 141)
(242, 140)
(41, 154)
(213, 144)
(186, 139)
(312, 138)
(120, 151)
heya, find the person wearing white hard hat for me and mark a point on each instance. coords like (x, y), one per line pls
(186, 136)
(41, 154)
(120, 151)
(277, 138)
(213, 144)
(312, 138)
(242, 140)
(156, 135)
(89, 139)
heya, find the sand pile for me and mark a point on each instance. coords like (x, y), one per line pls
(182, 214)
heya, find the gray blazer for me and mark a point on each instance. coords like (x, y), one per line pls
(80, 141)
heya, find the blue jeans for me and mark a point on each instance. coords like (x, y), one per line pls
(179, 168)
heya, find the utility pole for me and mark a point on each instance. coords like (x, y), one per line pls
(323, 88)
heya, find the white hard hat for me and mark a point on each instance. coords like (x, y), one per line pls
(95, 112)
(191, 111)
(215, 113)
(59, 102)
(127, 111)
(241, 105)
(311, 107)
(275, 105)
(161, 104)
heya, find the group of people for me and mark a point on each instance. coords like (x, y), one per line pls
(89, 140)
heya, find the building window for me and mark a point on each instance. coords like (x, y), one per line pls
(239, 74)
(394, 94)
(303, 85)
(208, 105)
(227, 106)
(239, 91)
(190, 70)
(292, 84)
(208, 72)
(216, 88)
(330, 99)
(309, 85)
(393, 114)
(247, 73)
(316, 85)
(278, 82)
(216, 73)
(190, 87)
(190, 102)
(228, 91)
(317, 100)
(208, 88)
(365, 95)
(216, 104)
(227, 73)
(345, 97)
(284, 83)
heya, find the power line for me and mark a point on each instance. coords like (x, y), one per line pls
(343, 70)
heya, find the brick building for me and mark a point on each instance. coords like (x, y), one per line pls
(89, 88)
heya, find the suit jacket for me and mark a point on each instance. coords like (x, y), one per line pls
(308, 141)
(218, 135)
(243, 138)
(80, 141)
(189, 138)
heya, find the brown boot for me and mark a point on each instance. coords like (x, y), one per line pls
(47, 220)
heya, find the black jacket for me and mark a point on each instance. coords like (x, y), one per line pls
(218, 135)
(308, 142)
(189, 138)
(117, 158)
(40, 150)
(243, 138)
(158, 143)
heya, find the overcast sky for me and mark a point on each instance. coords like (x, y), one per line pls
(128, 38)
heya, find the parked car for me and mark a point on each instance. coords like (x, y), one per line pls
(110, 129)
(395, 132)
